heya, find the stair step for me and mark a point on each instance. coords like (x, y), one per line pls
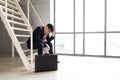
(11, 11)
(9, 5)
(29, 57)
(15, 17)
(12, 2)
(28, 50)
(22, 35)
(23, 42)
(20, 29)
(18, 23)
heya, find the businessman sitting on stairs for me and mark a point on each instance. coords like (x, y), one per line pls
(42, 38)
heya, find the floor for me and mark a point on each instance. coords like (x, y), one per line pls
(69, 68)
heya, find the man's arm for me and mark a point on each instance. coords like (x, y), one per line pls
(37, 35)
(49, 39)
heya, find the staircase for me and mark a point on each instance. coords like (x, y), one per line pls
(18, 28)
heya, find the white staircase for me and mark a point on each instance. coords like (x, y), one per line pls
(19, 29)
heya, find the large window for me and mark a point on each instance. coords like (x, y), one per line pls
(78, 15)
(64, 15)
(94, 44)
(113, 28)
(87, 27)
(113, 44)
(113, 15)
(78, 43)
(64, 43)
(94, 15)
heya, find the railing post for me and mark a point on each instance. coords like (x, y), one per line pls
(31, 51)
(13, 48)
(31, 36)
(13, 53)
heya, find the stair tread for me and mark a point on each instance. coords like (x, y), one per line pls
(22, 35)
(16, 17)
(29, 56)
(20, 29)
(12, 2)
(10, 10)
(26, 50)
(23, 42)
(9, 5)
(16, 22)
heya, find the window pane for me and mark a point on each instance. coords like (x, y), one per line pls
(94, 15)
(113, 15)
(79, 15)
(79, 43)
(94, 44)
(113, 44)
(64, 16)
(64, 43)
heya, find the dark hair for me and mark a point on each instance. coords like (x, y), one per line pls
(51, 27)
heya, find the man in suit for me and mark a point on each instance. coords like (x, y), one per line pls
(42, 38)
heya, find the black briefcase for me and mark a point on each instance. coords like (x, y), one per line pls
(45, 62)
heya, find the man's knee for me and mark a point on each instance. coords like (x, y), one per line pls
(40, 45)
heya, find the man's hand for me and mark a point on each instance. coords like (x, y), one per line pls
(53, 34)
(48, 47)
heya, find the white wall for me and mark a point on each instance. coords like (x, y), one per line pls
(0, 38)
(5, 41)
(43, 9)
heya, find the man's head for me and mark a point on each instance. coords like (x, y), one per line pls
(49, 28)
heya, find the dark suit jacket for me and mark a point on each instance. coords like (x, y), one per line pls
(38, 34)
